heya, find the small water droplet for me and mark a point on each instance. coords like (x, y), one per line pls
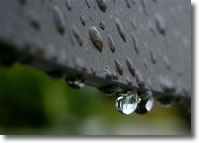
(77, 35)
(118, 67)
(135, 42)
(102, 25)
(96, 38)
(111, 43)
(153, 56)
(59, 20)
(34, 20)
(145, 64)
(82, 19)
(139, 79)
(166, 84)
(68, 5)
(143, 2)
(130, 66)
(166, 61)
(90, 18)
(108, 73)
(133, 23)
(151, 28)
(102, 5)
(88, 4)
(146, 103)
(160, 24)
(120, 29)
(75, 83)
(126, 103)
(128, 4)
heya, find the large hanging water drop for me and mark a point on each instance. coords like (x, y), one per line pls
(126, 103)
(146, 103)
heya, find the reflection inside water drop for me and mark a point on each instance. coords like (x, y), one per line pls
(75, 84)
(126, 103)
(146, 103)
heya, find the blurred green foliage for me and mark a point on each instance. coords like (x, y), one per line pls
(33, 103)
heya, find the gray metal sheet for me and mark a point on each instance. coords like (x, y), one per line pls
(94, 39)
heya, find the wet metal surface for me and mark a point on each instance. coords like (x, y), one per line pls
(133, 44)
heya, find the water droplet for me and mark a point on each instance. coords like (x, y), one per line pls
(139, 79)
(128, 4)
(135, 42)
(88, 4)
(166, 61)
(146, 103)
(59, 20)
(102, 25)
(34, 20)
(126, 103)
(153, 56)
(75, 83)
(130, 66)
(96, 38)
(118, 67)
(143, 2)
(145, 64)
(90, 18)
(160, 24)
(133, 23)
(120, 29)
(151, 28)
(68, 5)
(166, 84)
(77, 35)
(82, 19)
(102, 5)
(108, 73)
(111, 43)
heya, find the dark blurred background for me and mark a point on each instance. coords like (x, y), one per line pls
(33, 103)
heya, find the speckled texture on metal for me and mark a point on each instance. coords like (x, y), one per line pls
(144, 44)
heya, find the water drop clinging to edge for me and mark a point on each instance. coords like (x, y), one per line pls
(75, 84)
(126, 103)
(146, 103)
